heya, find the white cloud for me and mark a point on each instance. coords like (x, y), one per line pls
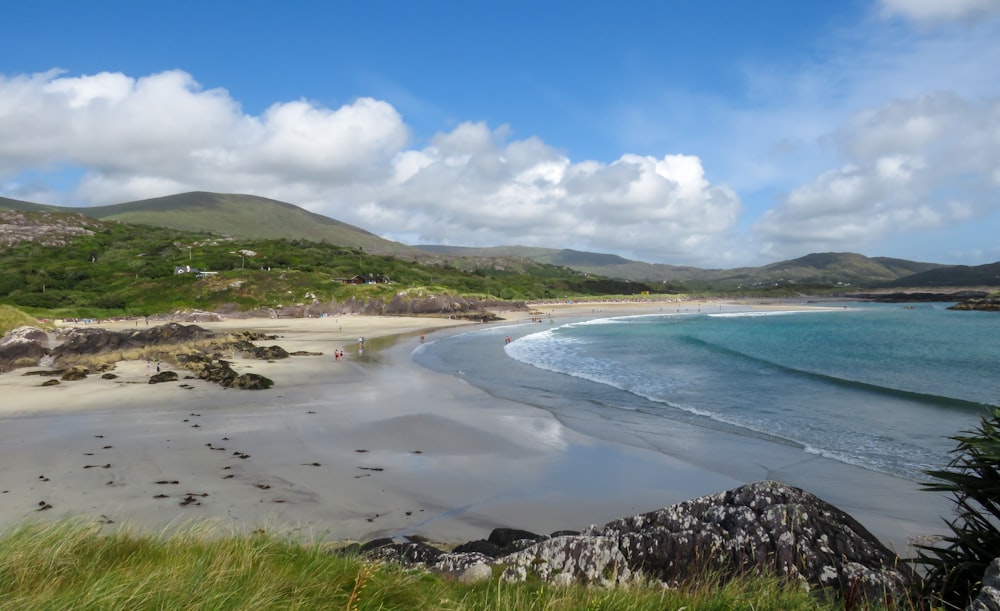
(939, 10)
(135, 138)
(917, 164)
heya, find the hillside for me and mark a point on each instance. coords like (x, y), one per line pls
(78, 266)
(243, 216)
(252, 217)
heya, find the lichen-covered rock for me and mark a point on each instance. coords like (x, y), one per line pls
(765, 527)
(580, 559)
(467, 568)
(989, 595)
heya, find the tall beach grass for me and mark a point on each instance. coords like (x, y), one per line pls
(73, 564)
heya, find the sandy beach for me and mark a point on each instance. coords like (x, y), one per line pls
(372, 446)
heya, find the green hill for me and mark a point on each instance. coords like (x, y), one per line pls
(243, 216)
(251, 217)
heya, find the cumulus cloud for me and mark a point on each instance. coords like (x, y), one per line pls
(133, 138)
(939, 10)
(917, 164)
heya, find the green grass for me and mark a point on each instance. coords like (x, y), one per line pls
(78, 565)
(12, 318)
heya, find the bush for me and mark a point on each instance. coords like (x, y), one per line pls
(955, 571)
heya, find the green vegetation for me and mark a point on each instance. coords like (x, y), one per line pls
(74, 565)
(955, 570)
(122, 270)
(12, 318)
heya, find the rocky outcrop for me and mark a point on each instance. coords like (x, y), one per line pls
(764, 527)
(83, 350)
(989, 303)
(23, 347)
(43, 228)
(83, 341)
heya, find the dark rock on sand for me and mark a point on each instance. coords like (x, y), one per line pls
(252, 381)
(221, 372)
(761, 527)
(163, 376)
(75, 373)
(80, 341)
(268, 353)
(23, 347)
(52, 382)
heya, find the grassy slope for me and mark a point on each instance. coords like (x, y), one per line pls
(246, 216)
(12, 318)
(74, 565)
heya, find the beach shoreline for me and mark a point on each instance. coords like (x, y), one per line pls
(372, 446)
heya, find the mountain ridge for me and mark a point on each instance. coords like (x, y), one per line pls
(250, 216)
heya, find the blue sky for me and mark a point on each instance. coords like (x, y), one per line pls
(712, 133)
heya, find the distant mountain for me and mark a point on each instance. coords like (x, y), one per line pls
(955, 275)
(827, 269)
(249, 216)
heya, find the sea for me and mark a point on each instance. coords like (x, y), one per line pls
(883, 387)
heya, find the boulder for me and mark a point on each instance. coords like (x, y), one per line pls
(764, 527)
(23, 347)
(163, 376)
(761, 527)
(268, 353)
(252, 381)
(75, 373)
(482, 546)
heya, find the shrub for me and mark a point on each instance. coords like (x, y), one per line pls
(955, 570)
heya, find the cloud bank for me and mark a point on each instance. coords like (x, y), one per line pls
(143, 137)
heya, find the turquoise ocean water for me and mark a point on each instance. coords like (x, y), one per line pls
(877, 386)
